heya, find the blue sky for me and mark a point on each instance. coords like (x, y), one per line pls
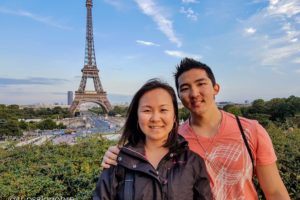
(252, 46)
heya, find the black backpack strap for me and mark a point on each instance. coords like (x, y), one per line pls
(245, 140)
(256, 183)
(128, 185)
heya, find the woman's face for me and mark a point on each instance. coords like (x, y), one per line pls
(156, 115)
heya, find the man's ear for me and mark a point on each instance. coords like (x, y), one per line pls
(216, 89)
(178, 94)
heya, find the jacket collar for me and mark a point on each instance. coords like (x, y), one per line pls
(139, 149)
(137, 153)
(133, 157)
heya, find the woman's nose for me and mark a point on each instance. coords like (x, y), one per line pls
(154, 116)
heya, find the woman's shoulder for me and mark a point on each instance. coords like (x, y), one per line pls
(184, 152)
(194, 156)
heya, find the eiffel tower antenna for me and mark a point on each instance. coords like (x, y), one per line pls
(90, 70)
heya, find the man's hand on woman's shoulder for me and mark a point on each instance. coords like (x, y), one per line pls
(110, 157)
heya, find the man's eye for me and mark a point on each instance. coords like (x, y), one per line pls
(183, 89)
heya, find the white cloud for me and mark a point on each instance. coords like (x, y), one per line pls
(291, 32)
(257, 1)
(277, 70)
(277, 42)
(180, 54)
(297, 71)
(287, 8)
(164, 24)
(189, 1)
(131, 57)
(250, 31)
(190, 14)
(44, 20)
(273, 2)
(294, 40)
(296, 60)
(286, 27)
(273, 55)
(146, 43)
(115, 3)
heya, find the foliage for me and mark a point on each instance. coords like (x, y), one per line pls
(284, 112)
(11, 126)
(233, 109)
(72, 171)
(97, 110)
(121, 110)
(52, 170)
(49, 124)
(117, 110)
(286, 144)
(183, 113)
(263, 119)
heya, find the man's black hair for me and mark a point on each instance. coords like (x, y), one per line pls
(187, 64)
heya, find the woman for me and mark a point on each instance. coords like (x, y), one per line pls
(155, 162)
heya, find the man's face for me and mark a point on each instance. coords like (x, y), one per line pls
(196, 91)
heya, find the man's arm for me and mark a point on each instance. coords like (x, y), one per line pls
(271, 183)
(110, 157)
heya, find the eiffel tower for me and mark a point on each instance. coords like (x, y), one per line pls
(90, 70)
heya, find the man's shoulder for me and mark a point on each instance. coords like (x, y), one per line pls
(231, 118)
(252, 128)
(184, 128)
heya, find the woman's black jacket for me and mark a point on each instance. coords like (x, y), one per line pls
(180, 175)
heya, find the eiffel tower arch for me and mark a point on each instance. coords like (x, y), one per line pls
(91, 71)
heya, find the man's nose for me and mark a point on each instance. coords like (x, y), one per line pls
(194, 92)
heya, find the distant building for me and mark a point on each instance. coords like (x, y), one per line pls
(70, 97)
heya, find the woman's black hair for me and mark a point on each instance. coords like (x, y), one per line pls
(131, 131)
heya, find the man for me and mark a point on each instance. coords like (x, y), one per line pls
(215, 135)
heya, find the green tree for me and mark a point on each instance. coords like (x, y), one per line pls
(23, 125)
(47, 124)
(98, 110)
(279, 109)
(258, 106)
(121, 110)
(294, 103)
(236, 110)
(52, 170)
(2, 106)
(183, 113)
(10, 128)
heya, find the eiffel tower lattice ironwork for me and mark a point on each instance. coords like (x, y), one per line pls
(90, 70)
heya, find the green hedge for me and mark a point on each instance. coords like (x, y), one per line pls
(52, 170)
(72, 171)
